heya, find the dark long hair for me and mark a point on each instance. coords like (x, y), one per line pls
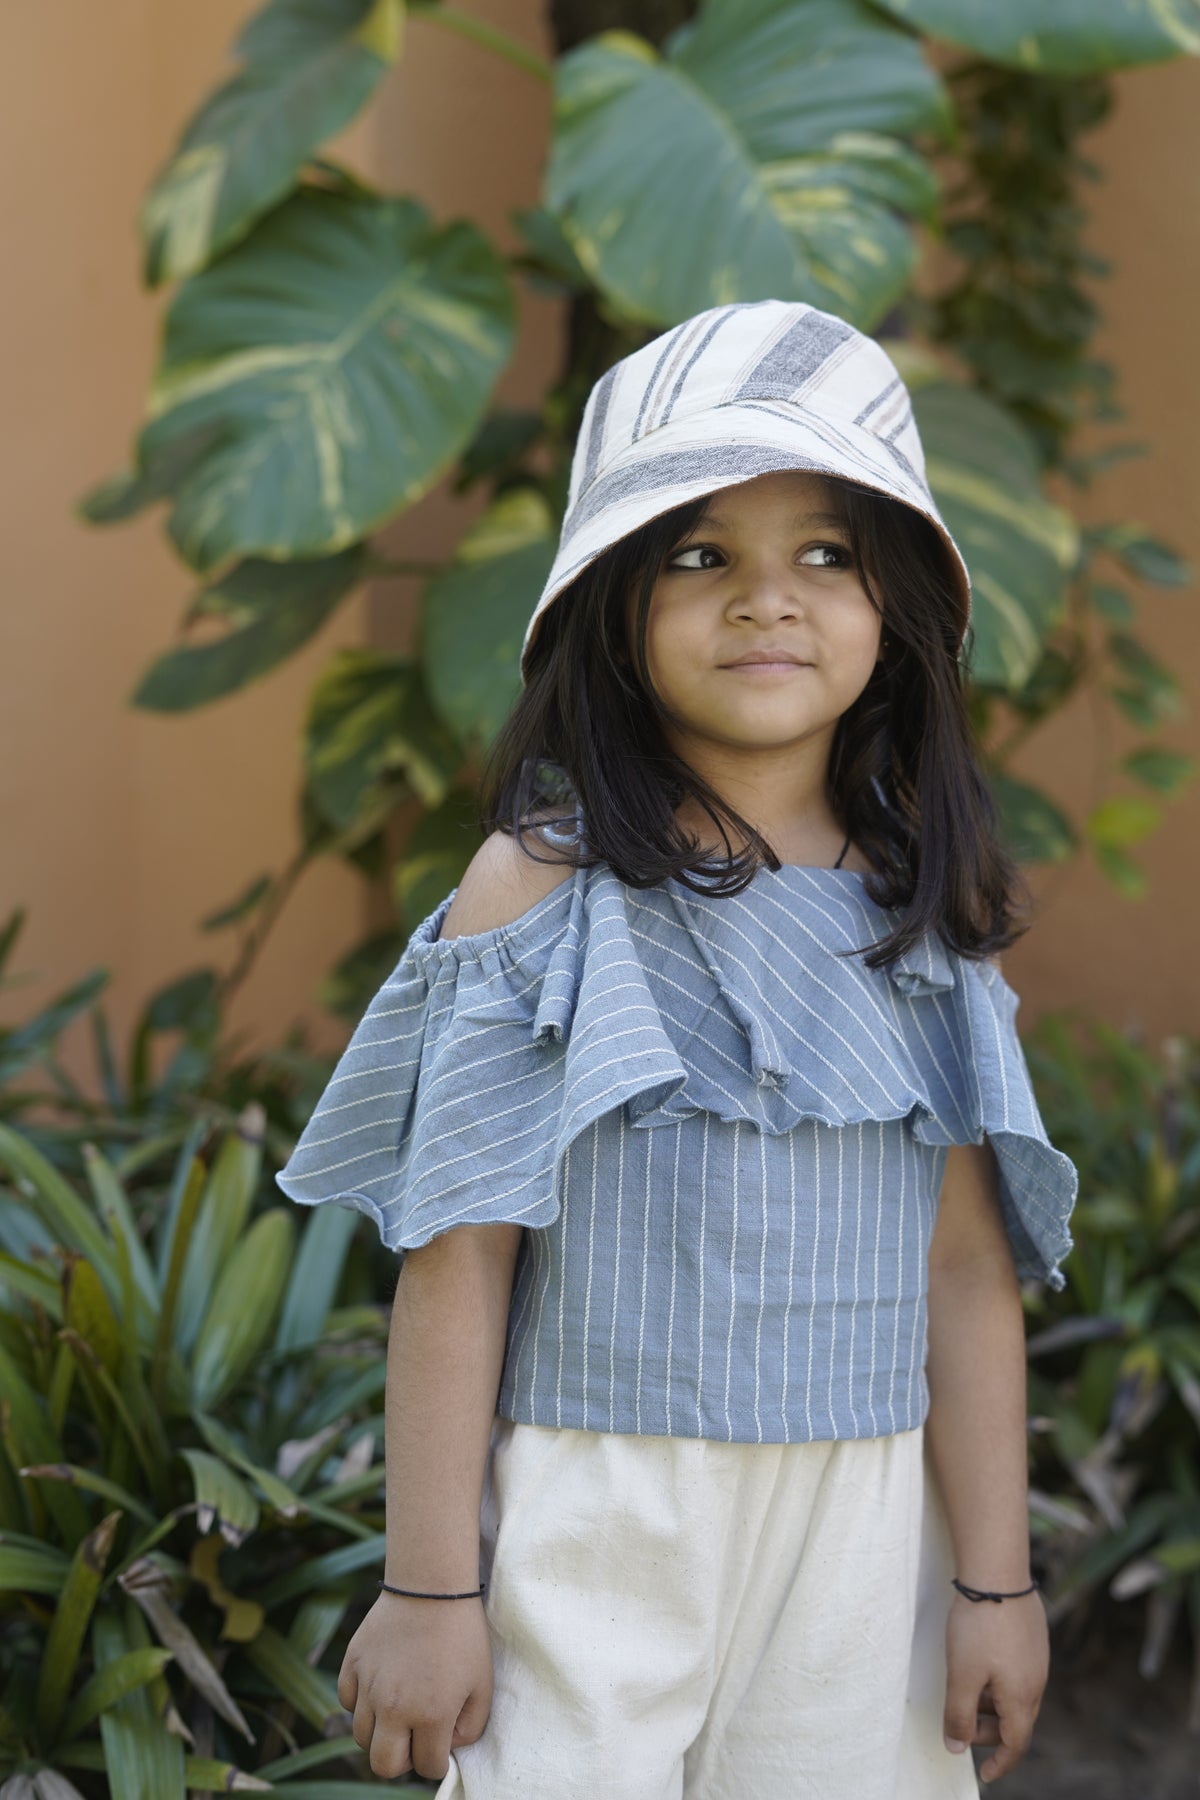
(903, 778)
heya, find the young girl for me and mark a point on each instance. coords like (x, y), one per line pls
(699, 1114)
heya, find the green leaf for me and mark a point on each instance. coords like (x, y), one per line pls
(222, 1498)
(142, 1759)
(26, 1278)
(370, 725)
(185, 1004)
(1112, 603)
(58, 1206)
(112, 1203)
(1034, 827)
(277, 606)
(224, 1209)
(1167, 771)
(1145, 556)
(474, 614)
(1123, 820)
(1147, 679)
(29, 1042)
(1126, 875)
(219, 1777)
(277, 1493)
(762, 155)
(1070, 37)
(68, 1627)
(311, 1691)
(245, 1302)
(355, 978)
(1020, 548)
(161, 469)
(306, 71)
(111, 1683)
(30, 1567)
(316, 1275)
(318, 1571)
(549, 248)
(437, 852)
(91, 1482)
(344, 353)
(247, 902)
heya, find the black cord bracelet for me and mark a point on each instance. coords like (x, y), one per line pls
(983, 1594)
(416, 1594)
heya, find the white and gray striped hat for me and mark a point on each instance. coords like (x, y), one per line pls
(735, 392)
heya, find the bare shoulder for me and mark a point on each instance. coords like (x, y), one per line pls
(501, 883)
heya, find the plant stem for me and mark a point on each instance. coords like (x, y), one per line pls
(482, 33)
(254, 939)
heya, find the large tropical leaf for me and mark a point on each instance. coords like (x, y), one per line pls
(436, 855)
(762, 155)
(341, 356)
(370, 722)
(271, 609)
(476, 611)
(1068, 37)
(1020, 548)
(307, 68)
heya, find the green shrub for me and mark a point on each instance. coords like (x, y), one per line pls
(1114, 1378)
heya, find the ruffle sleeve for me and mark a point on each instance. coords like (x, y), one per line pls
(476, 1065)
(980, 1087)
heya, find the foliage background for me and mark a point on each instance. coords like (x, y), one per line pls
(1115, 1360)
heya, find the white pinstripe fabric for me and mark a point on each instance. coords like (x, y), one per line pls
(725, 1138)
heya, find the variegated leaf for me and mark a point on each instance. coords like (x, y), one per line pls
(1069, 37)
(331, 367)
(763, 154)
(306, 70)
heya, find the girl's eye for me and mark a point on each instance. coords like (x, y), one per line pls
(700, 550)
(827, 556)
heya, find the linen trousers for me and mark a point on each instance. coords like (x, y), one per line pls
(681, 1619)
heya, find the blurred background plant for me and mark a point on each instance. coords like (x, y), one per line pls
(194, 1378)
(190, 1472)
(329, 354)
(1114, 1373)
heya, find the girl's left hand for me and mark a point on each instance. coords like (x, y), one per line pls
(997, 1664)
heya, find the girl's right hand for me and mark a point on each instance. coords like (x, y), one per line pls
(418, 1678)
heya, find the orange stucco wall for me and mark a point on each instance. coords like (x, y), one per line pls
(122, 829)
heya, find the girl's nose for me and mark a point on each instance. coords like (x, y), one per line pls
(766, 597)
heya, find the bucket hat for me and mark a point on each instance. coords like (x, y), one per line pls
(734, 392)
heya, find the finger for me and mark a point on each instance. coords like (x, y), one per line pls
(1016, 1730)
(468, 1727)
(430, 1751)
(987, 1722)
(391, 1752)
(364, 1721)
(959, 1716)
(347, 1684)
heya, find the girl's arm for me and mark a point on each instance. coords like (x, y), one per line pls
(976, 1432)
(418, 1673)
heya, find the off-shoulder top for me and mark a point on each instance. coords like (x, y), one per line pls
(725, 1139)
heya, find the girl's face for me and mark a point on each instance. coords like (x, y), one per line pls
(760, 633)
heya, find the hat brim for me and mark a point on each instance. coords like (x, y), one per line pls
(719, 448)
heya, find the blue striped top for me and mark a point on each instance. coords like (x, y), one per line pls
(726, 1141)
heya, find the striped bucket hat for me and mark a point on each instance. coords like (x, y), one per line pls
(735, 392)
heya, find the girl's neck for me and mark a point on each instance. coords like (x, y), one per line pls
(814, 838)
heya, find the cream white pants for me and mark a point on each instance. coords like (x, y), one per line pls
(676, 1617)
